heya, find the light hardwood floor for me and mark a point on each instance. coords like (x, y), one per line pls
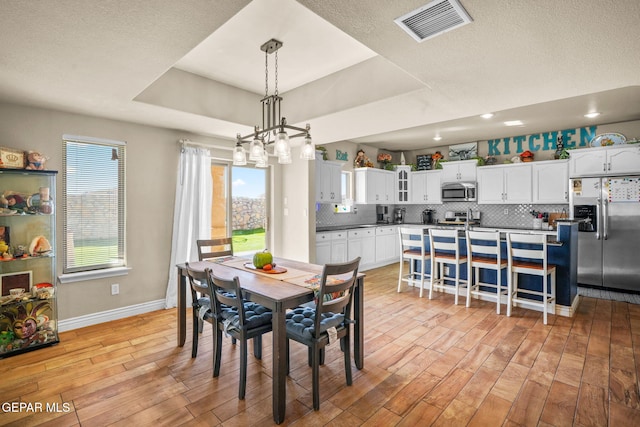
(427, 363)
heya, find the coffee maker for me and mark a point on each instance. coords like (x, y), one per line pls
(382, 214)
(398, 215)
(428, 216)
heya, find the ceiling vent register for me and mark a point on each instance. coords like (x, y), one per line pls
(433, 19)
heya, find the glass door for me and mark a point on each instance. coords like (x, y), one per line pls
(249, 210)
(240, 206)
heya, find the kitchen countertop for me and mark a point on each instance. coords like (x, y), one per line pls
(549, 233)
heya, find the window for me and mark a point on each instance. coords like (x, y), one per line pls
(93, 204)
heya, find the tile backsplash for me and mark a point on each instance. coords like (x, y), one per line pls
(518, 216)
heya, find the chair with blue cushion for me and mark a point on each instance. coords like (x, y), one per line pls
(200, 303)
(242, 320)
(316, 327)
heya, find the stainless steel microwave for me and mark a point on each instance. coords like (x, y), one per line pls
(459, 192)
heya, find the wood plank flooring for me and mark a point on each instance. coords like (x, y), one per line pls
(426, 363)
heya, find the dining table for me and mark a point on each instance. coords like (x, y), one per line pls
(278, 292)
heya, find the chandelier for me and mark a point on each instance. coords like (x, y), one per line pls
(274, 126)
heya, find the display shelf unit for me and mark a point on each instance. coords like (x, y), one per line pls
(27, 245)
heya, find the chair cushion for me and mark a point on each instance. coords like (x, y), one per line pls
(255, 315)
(300, 320)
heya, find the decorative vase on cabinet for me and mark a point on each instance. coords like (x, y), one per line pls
(28, 312)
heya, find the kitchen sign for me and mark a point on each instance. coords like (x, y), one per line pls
(572, 138)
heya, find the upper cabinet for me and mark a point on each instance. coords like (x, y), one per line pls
(328, 181)
(403, 185)
(461, 170)
(504, 184)
(425, 187)
(614, 160)
(551, 181)
(374, 186)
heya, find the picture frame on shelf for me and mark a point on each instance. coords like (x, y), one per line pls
(465, 151)
(19, 279)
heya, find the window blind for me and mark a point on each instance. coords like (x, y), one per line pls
(93, 204)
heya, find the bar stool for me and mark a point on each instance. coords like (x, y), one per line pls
(527, 254)
(412, 249)
(483, 252)
(445, 249)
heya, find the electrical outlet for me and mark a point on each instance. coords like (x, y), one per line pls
(115, 289)
(506, 211)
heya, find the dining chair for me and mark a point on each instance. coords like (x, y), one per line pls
(527, 254)
(214, 248)
(445, 250)
(242, 320)
(412, 248)
(200, 303)
(483, 253)
(330, 319)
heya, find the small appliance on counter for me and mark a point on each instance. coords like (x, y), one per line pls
(428, 216)
(398, 215)
(382, 214)
(460, 218)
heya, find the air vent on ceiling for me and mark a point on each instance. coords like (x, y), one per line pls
(433, 19)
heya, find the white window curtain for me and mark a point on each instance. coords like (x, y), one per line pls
(192, 212)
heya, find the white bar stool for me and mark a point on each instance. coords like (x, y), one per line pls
(413, 250)
(445, 249)
(483, 252)
(527, 254)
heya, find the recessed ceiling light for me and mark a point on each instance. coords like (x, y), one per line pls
(592, 115)
(487, 115)
(437, 138)
(514, 123)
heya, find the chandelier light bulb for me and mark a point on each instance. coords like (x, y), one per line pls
(282, 144)
(239, 155)
(308, 150)
(255, 149)
(284, 159)
(262, 161)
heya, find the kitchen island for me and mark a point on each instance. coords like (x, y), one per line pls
(562, 247)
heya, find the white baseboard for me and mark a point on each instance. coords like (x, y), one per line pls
(106, 316)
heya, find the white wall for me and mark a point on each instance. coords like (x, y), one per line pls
(152, 159)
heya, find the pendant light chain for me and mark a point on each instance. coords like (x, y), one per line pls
(266, 74)
(276, 92)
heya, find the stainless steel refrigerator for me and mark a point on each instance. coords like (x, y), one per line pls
(609, 235)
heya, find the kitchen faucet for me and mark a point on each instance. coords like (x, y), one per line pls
(469, 216)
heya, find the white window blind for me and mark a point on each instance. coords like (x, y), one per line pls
(93, 204)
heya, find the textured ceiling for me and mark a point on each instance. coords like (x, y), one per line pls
(345, 67)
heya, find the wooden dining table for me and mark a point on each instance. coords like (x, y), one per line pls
(278, 292)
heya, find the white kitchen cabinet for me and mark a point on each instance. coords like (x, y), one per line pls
(460, 170)
(361, 242)
(331, 247)
(505, 184)
(374, 186)
(387, 244)
(425, 187)
(613, 160)
(550, 181)
(403, 183)
(328, 181)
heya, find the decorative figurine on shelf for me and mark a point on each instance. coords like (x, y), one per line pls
(35, 161)
(526, 156)
(361, 159)
(16, 202)
(559, 148)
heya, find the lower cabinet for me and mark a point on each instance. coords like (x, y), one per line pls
(376, 246)
(387, 244)
(362, 243)
(331, 247)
